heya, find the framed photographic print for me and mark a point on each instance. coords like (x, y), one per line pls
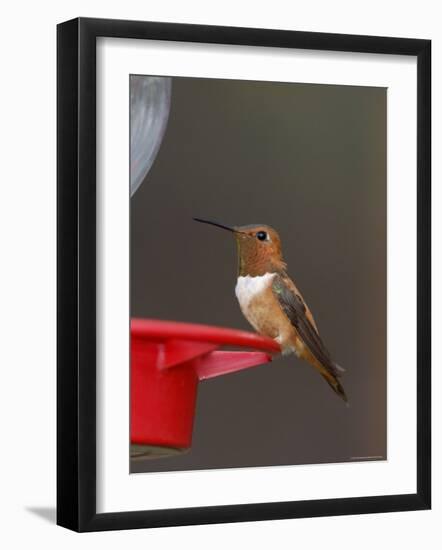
(243, 274)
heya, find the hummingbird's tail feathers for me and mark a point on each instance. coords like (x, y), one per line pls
(340, 370)
(331, 374)
(336, 386)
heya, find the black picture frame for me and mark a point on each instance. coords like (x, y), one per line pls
(76, 274)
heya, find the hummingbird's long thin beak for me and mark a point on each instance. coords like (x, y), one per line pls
(216, 224)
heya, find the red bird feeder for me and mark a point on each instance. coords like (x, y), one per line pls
(168, 360)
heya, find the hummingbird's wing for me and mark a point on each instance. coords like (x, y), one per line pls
(294, 307)
(297, 312)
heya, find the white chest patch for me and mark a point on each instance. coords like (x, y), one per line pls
(248, 287)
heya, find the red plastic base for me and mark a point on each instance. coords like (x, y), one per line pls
(167, 361)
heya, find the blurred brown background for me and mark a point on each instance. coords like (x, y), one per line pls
(309, 160)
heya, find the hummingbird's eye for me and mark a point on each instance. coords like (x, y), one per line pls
(261, 235)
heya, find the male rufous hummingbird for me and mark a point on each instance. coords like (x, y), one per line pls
(271, 302)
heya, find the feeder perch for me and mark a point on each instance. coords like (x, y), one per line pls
(168, 360)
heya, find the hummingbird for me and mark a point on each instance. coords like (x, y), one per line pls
(271, 302)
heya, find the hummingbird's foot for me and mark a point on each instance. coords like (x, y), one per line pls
(293, 350)
(285, 350)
